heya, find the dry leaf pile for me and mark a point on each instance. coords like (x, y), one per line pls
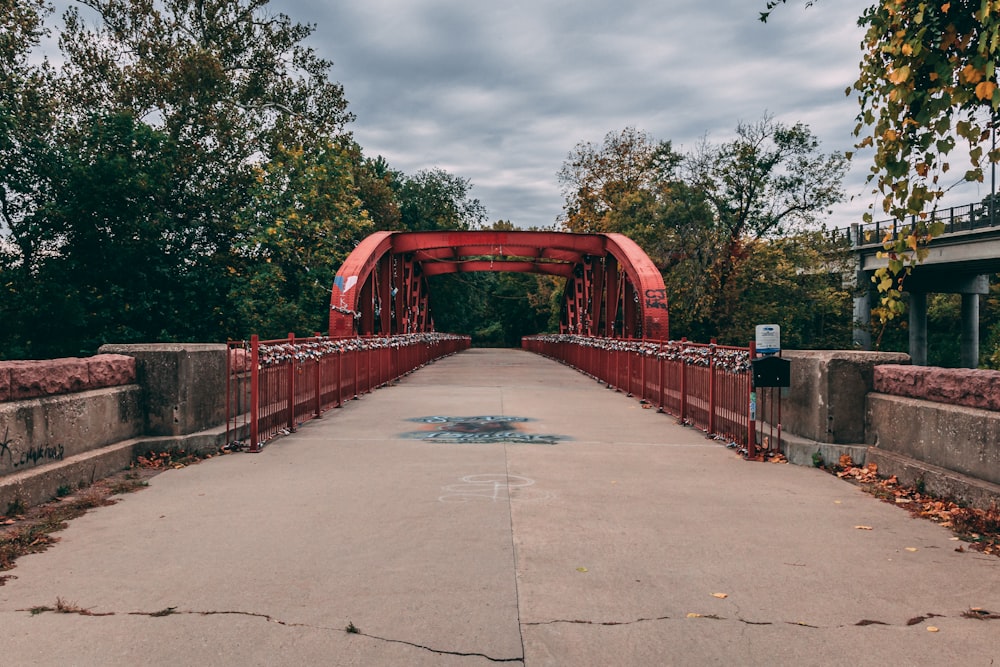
(979, 528)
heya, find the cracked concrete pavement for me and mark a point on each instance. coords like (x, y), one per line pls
(633, 541)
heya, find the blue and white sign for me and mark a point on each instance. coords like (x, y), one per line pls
(768, 339)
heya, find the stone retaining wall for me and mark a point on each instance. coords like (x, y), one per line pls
(825, 402)
(936, 425)
(20, 380)
(959, 438)
(954, 386)
(67, 422)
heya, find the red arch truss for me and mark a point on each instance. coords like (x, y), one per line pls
(612, 287)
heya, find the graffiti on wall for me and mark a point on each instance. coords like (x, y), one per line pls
(32, 456)
(479, 430)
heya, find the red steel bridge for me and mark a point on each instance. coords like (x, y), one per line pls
(612, 287)
(614, 328)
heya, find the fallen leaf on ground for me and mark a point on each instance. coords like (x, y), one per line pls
(691, 614)
(911, 548)
(931, 628)
(721, 596)
(863, 527)
(581, 569)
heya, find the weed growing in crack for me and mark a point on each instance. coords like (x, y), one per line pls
(15, 507)
(352, 629)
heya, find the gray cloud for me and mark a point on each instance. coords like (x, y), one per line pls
(501, 92)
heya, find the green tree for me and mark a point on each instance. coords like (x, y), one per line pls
(378, 187)
(434, 200)
(705, 218)
(131, 178)
(27, 117)
(928, 84)
(608, 188)
(305, 218)
(116, 274)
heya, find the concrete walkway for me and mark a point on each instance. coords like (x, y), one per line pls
(629, 541)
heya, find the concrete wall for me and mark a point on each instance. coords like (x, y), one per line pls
(43, 430)
(184, 385)
(58, 430)
(825, 402)
(940, 429)
(965, 440)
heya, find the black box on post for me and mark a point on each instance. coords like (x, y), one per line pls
(771, 372)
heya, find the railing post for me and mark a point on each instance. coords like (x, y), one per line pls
(752, 409)
(340, 377)
(711, 389)
(684, 395)
(254, 394)
(319, 384)
(659, 370)
(291, 385)
(642, 374)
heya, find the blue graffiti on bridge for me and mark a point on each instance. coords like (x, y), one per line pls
(482, 429)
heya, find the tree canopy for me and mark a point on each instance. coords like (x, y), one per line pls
(713, 220)
(185, 173)
(927, 91)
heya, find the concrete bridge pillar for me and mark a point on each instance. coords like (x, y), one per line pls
(861, 336)
(918, 285)
(970, 331)
(918, 328)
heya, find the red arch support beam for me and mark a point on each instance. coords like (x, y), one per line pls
(612, 287)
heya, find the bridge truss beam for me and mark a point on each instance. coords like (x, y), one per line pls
(612, 287)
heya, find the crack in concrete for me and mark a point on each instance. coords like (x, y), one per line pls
(606, 623)
(975, 614)
(64, 608)
(439, 651)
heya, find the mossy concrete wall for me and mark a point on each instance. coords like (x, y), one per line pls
(67, 422)
(826, 400)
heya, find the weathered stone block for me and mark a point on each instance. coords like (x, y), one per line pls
(110, 370)
(955, 386)
(4, 383)
(47, 378)
(44, 430)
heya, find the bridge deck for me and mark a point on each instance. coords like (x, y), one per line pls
(605, 547)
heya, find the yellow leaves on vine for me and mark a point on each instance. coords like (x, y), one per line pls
(985, 90)
(900, 74)
(970, 74)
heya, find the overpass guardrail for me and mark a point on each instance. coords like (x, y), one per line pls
(706, 386)
(967, 218)
(276, 385)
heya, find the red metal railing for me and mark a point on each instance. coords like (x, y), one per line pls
(706, 386)
(274, 386)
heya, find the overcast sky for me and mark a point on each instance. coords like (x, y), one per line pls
(500, 92)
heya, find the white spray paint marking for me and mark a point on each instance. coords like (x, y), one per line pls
(491, 487)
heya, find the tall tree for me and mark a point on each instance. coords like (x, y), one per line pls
(27, 115)
(433, 200)
(928, 84)
(769, 180)
(602, 185)
(305, 218)
(168, 121)
(704, 217)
